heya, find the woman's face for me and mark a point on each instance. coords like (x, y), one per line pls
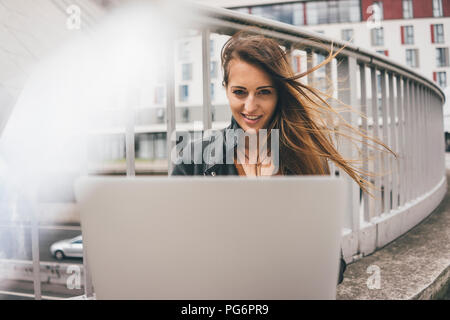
(251, 94)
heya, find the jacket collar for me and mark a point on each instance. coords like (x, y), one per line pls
(210, 167)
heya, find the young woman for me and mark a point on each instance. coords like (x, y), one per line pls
(264, 93)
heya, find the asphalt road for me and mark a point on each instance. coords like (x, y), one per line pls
(15, 242)
(24, 290)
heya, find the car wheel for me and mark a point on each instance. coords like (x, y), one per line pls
(59, 255)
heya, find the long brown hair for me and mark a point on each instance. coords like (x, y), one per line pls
(303, 115)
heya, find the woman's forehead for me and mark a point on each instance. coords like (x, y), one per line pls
(246, 75)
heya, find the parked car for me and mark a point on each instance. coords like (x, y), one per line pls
(68, 248)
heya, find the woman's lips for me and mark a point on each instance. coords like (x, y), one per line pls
(251, 119)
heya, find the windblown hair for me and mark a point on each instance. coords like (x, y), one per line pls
(305, 119)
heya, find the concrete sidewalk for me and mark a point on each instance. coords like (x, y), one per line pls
(414, 266)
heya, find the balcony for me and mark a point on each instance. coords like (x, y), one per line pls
(403, 108)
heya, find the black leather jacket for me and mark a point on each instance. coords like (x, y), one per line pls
(209, 168)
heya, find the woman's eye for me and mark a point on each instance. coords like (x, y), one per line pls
(238, 92)
(265, 91)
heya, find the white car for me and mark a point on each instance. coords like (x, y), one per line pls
(68, 248)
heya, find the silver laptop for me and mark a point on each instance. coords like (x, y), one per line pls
(212, 238)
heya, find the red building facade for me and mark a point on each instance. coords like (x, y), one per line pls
(393, 9)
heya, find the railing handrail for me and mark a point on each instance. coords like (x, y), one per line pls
(289, 33)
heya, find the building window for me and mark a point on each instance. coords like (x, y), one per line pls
(407, 34)
(383, 52)
(144, 146)
(159, 95)
(317, 12)
(160, 145)
(322, 12)
(347, 35)
(333, 12)
(186, 71)
(442, 57)
(184, 93)
(183, 50)
(185, 114)
(291, 13)
(349, 11)
(213, 69)
(437, 8)
(407, 9)
(211, 91)
(378, 10)
(440, 78)
(412, 58)
(287, 12)
(437, 33)
(378, 36)
(298, 14)
(160, 113)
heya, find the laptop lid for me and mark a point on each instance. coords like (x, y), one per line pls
(212, 238)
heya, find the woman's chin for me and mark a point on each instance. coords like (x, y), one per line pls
(249, 128)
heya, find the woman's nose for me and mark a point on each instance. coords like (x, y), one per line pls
(251, 104)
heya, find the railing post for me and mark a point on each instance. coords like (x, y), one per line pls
(384, 158)
(365, 129)
(206, 69)
(289, 50)
(129, 135)
(375, 134)
(424, 139)
(430, 139)
(429, 146)
(330, 120)
(441, 138)
(310, 65)
(35, 245)
(170, 103)
(393, 139)
(416, 155)
(401, 142)
(419, 140)
(409, 140)
(347, 69)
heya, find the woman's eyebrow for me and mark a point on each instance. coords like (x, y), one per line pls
(240, 87)
(264, 87)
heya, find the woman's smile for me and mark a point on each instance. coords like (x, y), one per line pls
(251, 119)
